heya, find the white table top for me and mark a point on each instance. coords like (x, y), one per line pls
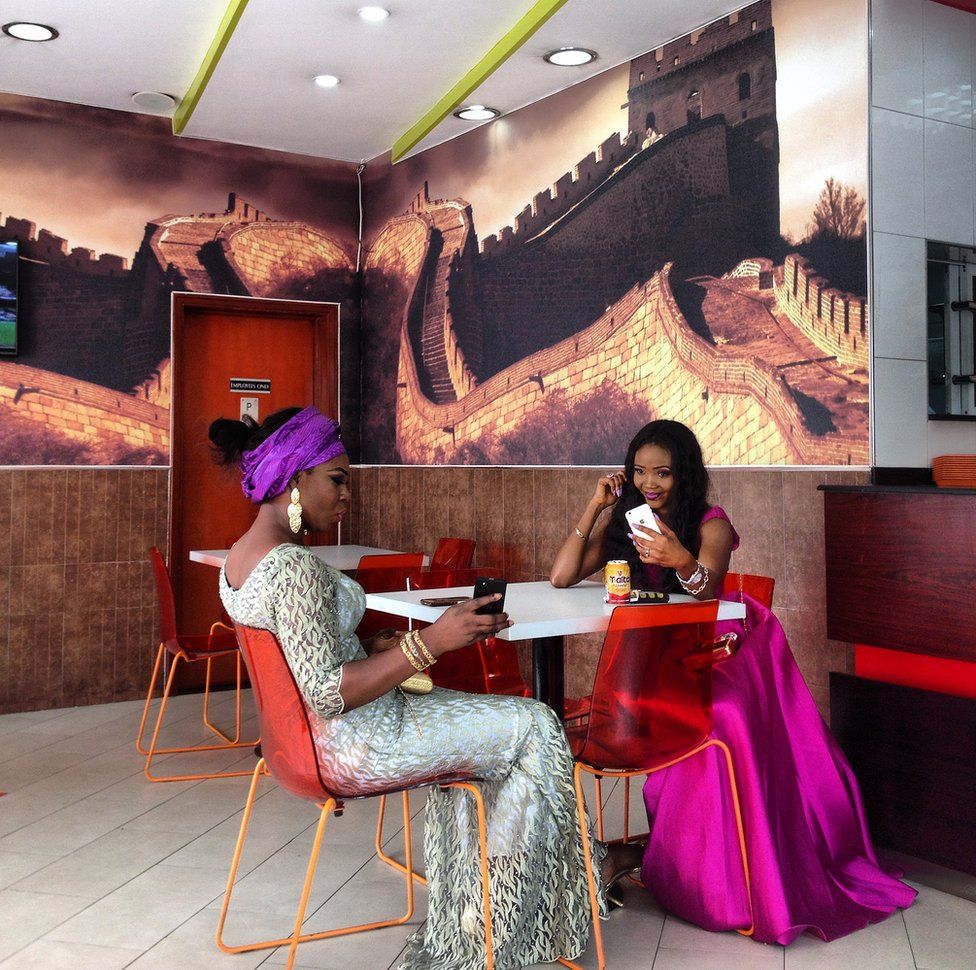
(338, 557)
(538, 609)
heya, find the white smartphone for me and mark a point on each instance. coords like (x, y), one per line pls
(642, 515)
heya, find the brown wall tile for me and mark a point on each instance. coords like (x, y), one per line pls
(437, 507)
(73, 563)
(520, 523)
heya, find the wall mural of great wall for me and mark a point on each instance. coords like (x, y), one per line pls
(650, 281)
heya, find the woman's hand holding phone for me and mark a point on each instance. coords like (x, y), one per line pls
(463, 625)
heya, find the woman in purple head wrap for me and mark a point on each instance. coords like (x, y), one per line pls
(372, 735)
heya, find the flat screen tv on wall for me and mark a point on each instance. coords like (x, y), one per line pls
(8, 297)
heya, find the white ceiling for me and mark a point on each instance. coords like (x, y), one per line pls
(262, 92)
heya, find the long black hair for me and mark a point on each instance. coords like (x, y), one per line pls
(232, 438)
(687, 504)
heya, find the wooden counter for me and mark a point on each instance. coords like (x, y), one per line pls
(901, 575)
(901, 568)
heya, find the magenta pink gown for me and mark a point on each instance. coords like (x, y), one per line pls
(811, 861)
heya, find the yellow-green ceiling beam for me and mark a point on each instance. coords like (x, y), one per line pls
(183, 113)
(527, 25)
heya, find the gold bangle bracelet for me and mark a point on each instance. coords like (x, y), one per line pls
(408, 653)
(419, 643)
(580, 534)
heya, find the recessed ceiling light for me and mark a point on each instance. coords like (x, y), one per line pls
(326, 80)
(477, 112)
(570, 56)
(21, 30)
(374, 14)
(154, 101)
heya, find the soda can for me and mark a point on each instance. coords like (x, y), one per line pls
(617, 579)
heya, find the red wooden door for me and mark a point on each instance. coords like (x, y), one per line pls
(290, 345)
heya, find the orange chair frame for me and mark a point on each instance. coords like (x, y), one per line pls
(169, 642)
(335, 806)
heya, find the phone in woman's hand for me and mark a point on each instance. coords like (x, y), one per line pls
(486, 586)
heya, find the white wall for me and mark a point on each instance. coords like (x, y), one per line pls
(923, 62)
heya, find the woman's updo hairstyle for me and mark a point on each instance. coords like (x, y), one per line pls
(231, 439)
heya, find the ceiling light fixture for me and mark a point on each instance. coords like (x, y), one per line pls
(326, 80)
(477, 112)
(37, 33)
(373, 15)
(570, 56)
(155, 101)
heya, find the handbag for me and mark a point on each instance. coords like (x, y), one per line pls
(419, 683)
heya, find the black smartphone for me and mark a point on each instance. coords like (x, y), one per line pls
(486, 586)
(444, 600)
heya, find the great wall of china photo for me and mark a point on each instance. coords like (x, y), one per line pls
(654, 268)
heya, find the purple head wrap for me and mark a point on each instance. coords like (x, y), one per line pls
(302, 442)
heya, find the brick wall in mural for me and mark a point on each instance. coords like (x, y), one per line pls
(651, 280)
(90, 384)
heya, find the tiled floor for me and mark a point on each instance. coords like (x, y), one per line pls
(100, 869)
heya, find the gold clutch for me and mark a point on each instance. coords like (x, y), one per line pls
(419, 683)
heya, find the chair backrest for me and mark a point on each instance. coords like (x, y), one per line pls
(460, 669)
(648, 707)
(410, 561)
(758, 587)
(164, 597)
(442, 578)
(384, 574)
(453, 554)
(287, 742)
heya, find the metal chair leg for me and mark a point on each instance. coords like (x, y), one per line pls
(590, 878)
(383, 857)
(155, 752)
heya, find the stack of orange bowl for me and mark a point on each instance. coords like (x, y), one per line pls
(954, 471)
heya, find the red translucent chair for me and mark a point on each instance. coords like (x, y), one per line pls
(383, 574)
(453, 554)
(760, 588)
(290, 757)
(735, 586)
(652, 707)
(187, 648)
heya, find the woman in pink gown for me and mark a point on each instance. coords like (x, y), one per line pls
(812, 865)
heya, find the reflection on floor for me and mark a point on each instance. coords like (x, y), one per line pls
(100, 869)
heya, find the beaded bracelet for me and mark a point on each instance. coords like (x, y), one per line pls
(697, 581)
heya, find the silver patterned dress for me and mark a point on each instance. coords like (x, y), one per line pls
(539, 898)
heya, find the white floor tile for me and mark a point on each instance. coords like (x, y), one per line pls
(58, 955)
(679, 935)
(15, 866)
(105, 864)
(145, 910)
(883, 946)
(27, 916)
(702, 960)
(942, 929)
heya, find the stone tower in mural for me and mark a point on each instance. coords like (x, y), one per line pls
(727, 68)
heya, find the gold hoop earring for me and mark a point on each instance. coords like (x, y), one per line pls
(295, 511)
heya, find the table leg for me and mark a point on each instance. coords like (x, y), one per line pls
(547, 672)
